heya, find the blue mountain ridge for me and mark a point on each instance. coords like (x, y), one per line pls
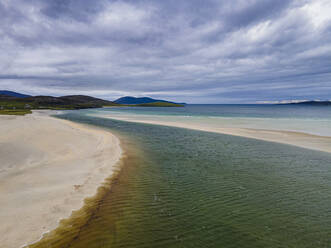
(140, 100)
(12, 93)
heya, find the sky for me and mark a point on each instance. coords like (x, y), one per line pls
(206, 51)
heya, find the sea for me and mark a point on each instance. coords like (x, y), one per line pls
(177, 187)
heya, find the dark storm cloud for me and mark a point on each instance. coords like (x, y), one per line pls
(194, 51)
(256, 11)
(78, 10)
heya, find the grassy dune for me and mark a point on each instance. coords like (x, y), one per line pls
(15, 111)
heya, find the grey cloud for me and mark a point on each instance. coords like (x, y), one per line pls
(256, 11)
(225, 50)
(78, 10)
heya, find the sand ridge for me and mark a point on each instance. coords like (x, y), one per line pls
(48, 167)
(300, 139)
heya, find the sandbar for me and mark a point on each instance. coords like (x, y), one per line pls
(48, 166)
(300, 139)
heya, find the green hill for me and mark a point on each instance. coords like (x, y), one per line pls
(16, 105)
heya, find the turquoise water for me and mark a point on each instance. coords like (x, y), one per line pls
(232, 110)
(186, 188)
(306, 119)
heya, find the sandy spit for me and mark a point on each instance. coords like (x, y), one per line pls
(304, 140)
(48, 167)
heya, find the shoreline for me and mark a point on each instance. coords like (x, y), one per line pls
(299, 139)
(50, 166)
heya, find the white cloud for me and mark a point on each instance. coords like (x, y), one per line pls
(123, 17)
(319, 12)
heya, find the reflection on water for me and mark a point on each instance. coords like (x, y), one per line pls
(185, 188)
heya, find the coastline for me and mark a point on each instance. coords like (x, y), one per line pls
(48, 168)
(299, 139)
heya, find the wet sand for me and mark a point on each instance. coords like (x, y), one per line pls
(300, 139)
(48, 167)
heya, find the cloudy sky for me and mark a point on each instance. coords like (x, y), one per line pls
(206, 51)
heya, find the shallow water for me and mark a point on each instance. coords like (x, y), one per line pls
(185, 188)
(307, 119)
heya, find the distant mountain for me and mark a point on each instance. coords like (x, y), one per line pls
(140, 100)
(12, 93)
(312, 103)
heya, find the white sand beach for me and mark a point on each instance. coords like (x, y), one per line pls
(300, 139)
(48, 167)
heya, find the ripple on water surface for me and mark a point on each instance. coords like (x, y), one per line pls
(184, 188)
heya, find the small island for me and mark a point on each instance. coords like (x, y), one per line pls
(312, 103)
(307, 103)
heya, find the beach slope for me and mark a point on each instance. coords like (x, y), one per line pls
(48, 167)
